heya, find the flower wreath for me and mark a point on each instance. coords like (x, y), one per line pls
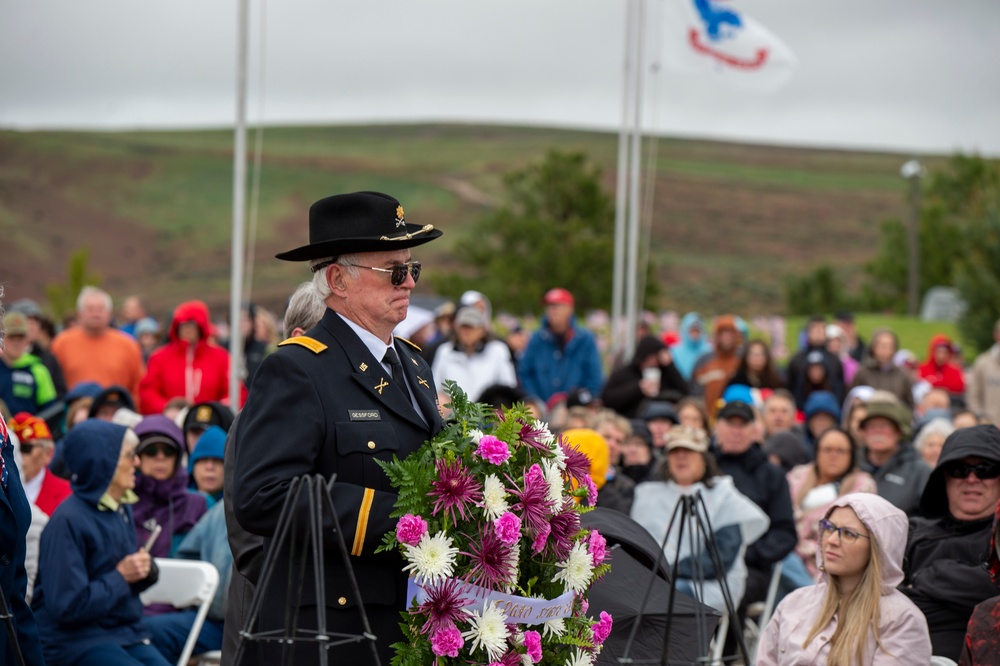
(489, 527)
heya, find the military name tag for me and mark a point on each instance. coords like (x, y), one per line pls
(365, 415)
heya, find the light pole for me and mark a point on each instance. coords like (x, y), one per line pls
(912, 171)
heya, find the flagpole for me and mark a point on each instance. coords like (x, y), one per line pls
(635, 173)
(621, 187)
(239, 204)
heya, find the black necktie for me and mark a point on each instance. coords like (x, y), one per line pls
(395, 367)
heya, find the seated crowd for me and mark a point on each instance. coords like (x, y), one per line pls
(870, 482)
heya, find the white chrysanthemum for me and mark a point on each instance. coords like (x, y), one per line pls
(580, 658)
(433, 559)
(577, 569)
(555, 480)
(559, 456)
(544, 434)
(526, 660)
(476, 435)
(513, 562)
(554, 628)
(489, 631)
(494, 497)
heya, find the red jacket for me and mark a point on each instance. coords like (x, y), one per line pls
(54, 490)
(198, 372)
(948, 376)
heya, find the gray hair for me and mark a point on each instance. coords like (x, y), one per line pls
(90, 290)
(319, 277)
(938, 426)
(305, 308)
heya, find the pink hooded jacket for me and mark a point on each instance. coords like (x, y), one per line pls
(902, 627)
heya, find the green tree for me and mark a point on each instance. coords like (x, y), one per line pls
(62, 297)
(978, 274)
(554, 227)
(950, 198)
(819, 291)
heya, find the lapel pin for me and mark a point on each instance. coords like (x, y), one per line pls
(381, 386)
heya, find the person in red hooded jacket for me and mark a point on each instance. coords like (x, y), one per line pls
(189, 366)
(940, 370)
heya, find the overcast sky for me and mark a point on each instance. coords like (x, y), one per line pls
(907, 75)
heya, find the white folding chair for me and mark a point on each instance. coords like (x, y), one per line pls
(759, 613)
(942, 661)
(182, 584)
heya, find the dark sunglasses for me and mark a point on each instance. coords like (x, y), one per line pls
(982, 470)
(28, 447)
(397, 274)
(845, 534)
(154, 450)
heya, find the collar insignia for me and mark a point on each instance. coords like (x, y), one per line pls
(363, 367)
(381, 385)
(423, 382)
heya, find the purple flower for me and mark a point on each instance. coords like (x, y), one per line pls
(602, 628)
(534, 505)
(491, 561)
(565, 526)
(455, 490)
(533, 643)
(533, 437)
(508, 659)
(447, 642)
(597, 546)
(493, 450)
(584, 604)
(508, 528)
(577, 463)
(410, 528)
(443, 606)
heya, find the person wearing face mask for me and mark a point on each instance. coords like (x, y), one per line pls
(854, 615)
(944, 572)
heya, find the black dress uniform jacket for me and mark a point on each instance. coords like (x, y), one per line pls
(322, 404)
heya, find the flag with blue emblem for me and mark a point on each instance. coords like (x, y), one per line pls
(716, 39)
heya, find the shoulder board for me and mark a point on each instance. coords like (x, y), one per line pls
(409, 343)
(313, 345)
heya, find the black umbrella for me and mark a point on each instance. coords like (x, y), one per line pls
(623, 591)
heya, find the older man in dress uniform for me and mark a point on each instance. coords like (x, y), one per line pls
(333, 401)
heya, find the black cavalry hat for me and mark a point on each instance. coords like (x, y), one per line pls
(358, 222)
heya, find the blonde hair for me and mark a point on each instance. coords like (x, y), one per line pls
(857, 613)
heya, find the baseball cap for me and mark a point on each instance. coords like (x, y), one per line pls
(686, 437)
(470, 315)
(736, 409)
(15, 323)
(558, 296)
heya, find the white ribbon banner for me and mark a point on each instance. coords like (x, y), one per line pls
(518, 610)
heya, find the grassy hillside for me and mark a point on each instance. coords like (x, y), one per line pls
(731, 221)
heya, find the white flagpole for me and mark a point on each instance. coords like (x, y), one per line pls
(621, 187)
(635, 179)
(239, 205)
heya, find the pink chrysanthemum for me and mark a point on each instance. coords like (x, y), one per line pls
(490, 561)
(591, 487)
(533, 505)
(597, 546)
(565, 526)
(602, 628)
(410, 528)
(508, 659)
(493, 450)
(508, 528)
(533, 645)
(447, 642)
(443, 606)
(577, 462)
(455, 490)
(541, 539)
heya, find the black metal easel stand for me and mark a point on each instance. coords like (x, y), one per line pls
(690, 507)
(319, 496)
(8, 620)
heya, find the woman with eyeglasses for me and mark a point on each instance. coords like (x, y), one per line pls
(162, 486)
(944, 572)
(814, 488)
(854, 615)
